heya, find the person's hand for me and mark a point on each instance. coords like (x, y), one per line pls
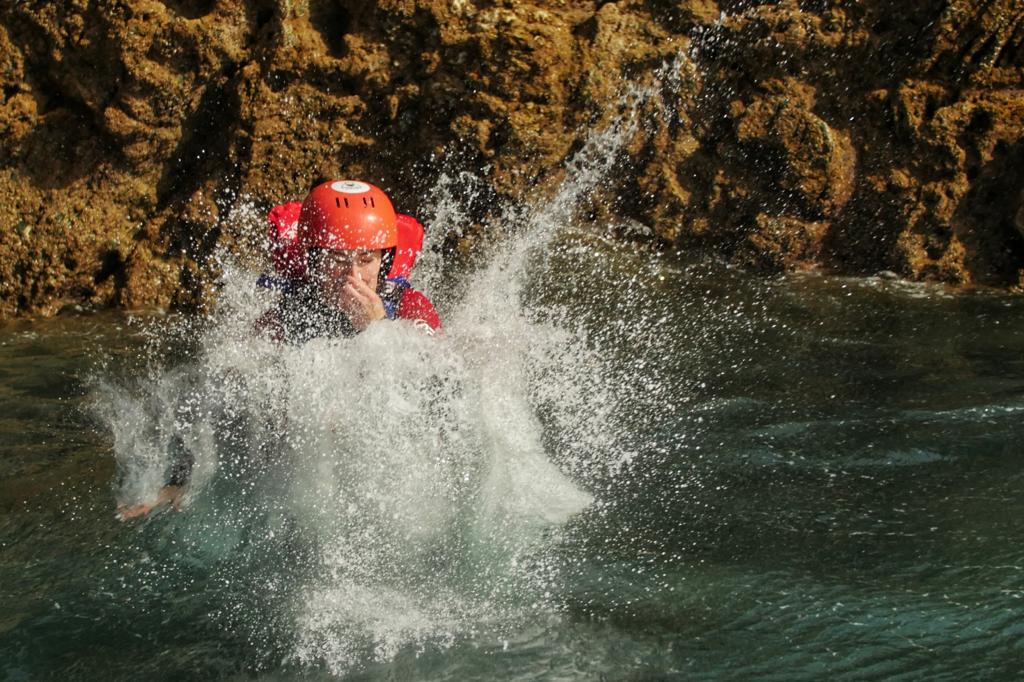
(169, 494)
(361, 304)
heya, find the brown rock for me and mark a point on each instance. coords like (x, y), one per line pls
(1019, 219)
(781, 244)
(140, 136)
(798, 154)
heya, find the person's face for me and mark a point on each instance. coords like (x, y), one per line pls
(332, 270)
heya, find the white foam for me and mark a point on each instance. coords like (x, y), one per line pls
(426, 473)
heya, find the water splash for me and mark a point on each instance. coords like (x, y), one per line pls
(355, 498)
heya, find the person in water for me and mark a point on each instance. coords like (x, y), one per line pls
(339, 258)
(344, 267)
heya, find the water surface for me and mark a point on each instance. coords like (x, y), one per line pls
(797, 478)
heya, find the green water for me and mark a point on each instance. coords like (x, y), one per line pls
(826, 483)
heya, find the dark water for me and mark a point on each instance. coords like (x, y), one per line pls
(820, 479)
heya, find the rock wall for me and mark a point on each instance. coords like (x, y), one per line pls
(855, 136)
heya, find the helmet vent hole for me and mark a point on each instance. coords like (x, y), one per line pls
(337, 202)
(372, 204)
(346, 202)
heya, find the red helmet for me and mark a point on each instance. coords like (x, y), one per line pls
(345, 215)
